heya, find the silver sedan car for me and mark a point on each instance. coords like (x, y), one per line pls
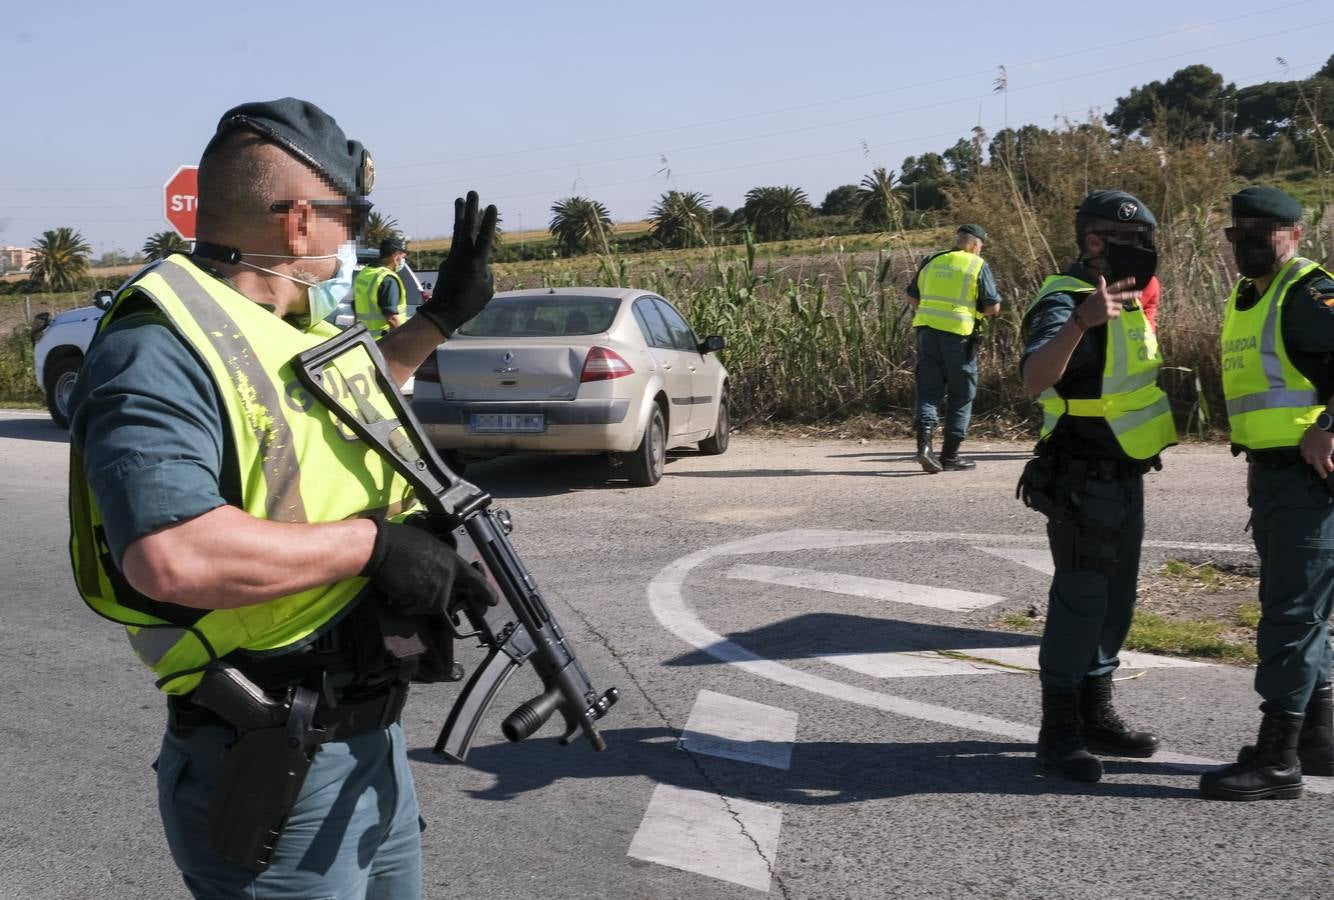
(576, 370)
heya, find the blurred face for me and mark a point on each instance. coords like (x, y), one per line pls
(1261, 246)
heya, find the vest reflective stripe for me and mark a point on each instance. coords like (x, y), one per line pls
(295, 464)
(948, 289)
(366, 301)
(1269, 402)
(1130, 401)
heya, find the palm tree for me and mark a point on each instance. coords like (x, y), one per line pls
(380, 227)
(578, 222)
(61, 260)
(164, 244)
(681, 219)
(878, 200)
(774, 212)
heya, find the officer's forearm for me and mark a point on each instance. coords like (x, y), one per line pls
(1047, 364)
(406, 347)
(227, 558)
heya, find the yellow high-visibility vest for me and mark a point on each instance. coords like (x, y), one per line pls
(296, 464)
(1269, 403)
(1130, 401)
(948, 288)
(365, 299)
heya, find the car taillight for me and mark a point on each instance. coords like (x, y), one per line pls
(429, 370)
(602, 364)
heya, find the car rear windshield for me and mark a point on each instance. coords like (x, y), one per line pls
(557, 316)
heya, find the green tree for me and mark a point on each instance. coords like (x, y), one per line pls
(379, 228)
(682, 219)
(580, 224)
(1190, 105)
(164, 244)
(879, 201)
(924, 179)
(964, 158)
(721, 215)
(841, 201)
(775, 212)
(61, 261)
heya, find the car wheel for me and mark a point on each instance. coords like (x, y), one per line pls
(716, 444)
(60, 378)
(644, 466)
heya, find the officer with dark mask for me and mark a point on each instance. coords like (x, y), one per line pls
(259, 558)
(1278, 337)
(1092, 356)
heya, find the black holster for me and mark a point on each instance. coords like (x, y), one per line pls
(1036, 488)
(262, 772)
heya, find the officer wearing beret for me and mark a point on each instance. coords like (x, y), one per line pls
(255, 554)
(950, 293)
(1091, 357)
(1278, 337)
(378, 297)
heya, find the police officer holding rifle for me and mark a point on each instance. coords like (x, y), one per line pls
(253, 550)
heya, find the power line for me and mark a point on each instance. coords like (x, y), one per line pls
(1082, 51)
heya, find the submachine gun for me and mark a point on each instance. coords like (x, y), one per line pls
(513, 632)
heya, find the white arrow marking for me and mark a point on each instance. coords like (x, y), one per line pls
(721, 837)
(669, 606)
(871, 588)
(1025, 556)
(738, 729)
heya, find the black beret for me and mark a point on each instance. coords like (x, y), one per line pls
(976, 231)
(390, 246)
(1117, 206)
(308, 133)
(1261, 202)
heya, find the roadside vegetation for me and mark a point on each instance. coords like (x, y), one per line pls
(810, 297)
(1202, 610)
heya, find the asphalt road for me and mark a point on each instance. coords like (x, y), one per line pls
(771, 618)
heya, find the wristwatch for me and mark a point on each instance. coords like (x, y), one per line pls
(1324, 421)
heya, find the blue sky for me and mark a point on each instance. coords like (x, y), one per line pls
(529, 102)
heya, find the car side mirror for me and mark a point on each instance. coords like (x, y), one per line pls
(713, 344)
(103, 299)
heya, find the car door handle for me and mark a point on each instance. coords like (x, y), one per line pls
(667, 367)
(691, 368)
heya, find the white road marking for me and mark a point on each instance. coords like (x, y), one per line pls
(871, 588)
(912, 664)
(927, 663)
(738, 729)
(721, 837)
(1032, 557)
(673, 612)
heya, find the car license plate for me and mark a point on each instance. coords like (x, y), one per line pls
(527, 423)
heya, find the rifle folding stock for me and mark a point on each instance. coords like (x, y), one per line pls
(521, 628)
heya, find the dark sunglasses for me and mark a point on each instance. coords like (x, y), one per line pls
(356, 210)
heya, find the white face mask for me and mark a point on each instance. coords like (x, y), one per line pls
(324, 295)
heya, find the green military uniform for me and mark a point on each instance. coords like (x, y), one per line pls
(1277, 378)
(378, 293)
(1104, 423)
(954, 288)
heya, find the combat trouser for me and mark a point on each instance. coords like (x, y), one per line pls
(946, 365)
(1094, 529)
(1292, 521)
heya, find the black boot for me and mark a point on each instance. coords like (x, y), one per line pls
(1104, 731)
(1061, 740)
(1270, 770)
(926, 457)
(1315, 746)
(950, 458)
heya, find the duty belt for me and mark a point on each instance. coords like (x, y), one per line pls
(337, 723)
(1274, 458)
(1103, 469)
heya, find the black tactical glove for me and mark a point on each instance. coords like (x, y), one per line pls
(464, 284)
(418, 573)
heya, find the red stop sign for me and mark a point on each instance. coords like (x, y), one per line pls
(180, 200)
